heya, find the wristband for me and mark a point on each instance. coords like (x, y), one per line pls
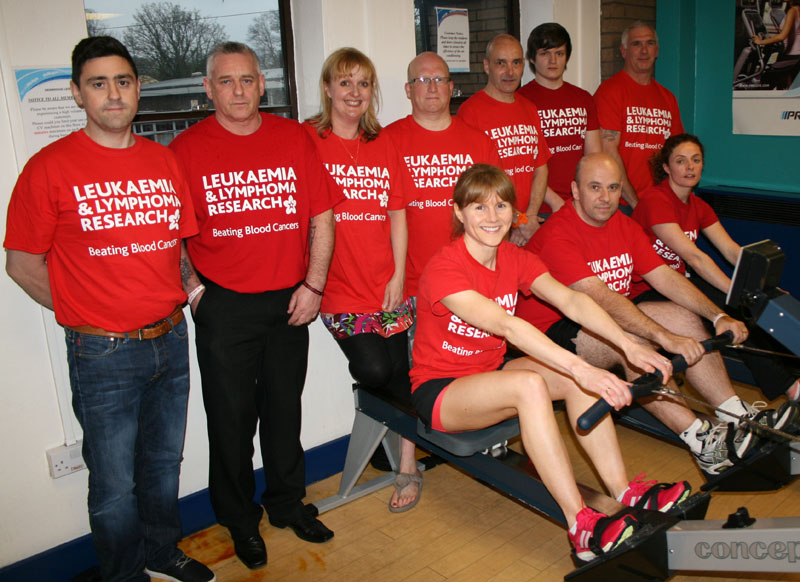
(194, 293)
(521, 218)
(717, 318)
(312, 289)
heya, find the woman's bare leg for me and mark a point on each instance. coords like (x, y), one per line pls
(481, 400)
(600, 443)
(408, 464)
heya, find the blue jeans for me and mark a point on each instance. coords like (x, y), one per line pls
(130, 398)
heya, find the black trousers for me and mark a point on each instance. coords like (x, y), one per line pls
(380, 362)
(253, 367)
(769, 372)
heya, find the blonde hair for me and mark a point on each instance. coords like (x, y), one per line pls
(342, 63)
(478, 183)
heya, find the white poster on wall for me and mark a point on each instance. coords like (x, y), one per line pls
(452, 37)
(766, 70)
(48, 110)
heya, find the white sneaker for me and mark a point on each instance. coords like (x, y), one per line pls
(758, 412)
(713, 456)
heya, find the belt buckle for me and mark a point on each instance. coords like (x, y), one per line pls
(140, 333)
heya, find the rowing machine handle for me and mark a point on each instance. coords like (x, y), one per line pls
(644, 385)
(710, 345)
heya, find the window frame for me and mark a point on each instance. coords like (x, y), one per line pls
(287, 50)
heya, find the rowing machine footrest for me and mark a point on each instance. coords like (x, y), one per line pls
(767, 468)
(467, 443)
(695, 507)
(641, 557)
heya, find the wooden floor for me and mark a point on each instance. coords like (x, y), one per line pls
(463, 531)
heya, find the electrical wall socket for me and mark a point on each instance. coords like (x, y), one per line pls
(65, 459)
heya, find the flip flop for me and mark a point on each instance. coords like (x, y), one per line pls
(401, 481)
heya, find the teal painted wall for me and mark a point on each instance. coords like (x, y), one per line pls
(696, 63)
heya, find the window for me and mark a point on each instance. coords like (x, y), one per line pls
(487, 18)
(170, 40)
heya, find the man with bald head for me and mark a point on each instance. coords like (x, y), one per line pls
(513, 125)
(590, 247)
(436, 148)
(636, 114)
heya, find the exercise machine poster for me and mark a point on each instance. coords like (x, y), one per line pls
(452, 38)
(48, 110)
(766, 77)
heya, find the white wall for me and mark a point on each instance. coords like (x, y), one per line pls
(532, 13)
(36, 511)
(581, 18)
(383, 30)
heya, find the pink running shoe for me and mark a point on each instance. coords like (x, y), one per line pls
(594, 533)
(652, 495)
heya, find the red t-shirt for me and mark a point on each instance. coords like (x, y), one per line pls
(368, 176)
(448, 347)
(516, 132)
(660, 205)
(253, 196)
(111, 223)
(645, 116)
(433, 161)
(567, 113)
(574, 250)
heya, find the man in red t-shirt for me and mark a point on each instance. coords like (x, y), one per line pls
(436, 148)
(568, 113)
(94, 231)
(592, 248)
(264, 208)
(514, 127)
(636, 113)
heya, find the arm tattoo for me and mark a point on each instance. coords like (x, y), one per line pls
(312, 230)
(610, 135)
(186, 270)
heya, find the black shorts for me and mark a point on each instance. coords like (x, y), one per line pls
(649, 295)
(563, 332)
(424, 399)
(425, 396)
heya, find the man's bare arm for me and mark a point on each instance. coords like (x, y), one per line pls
(678, 289)
(630, 318)
(304, 304)
(611, 141)
(189, 278)
(553, 200)
(593, 142)
(29, 271)
(621, 309)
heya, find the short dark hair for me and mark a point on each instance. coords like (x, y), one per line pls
(546, 36)
(95, 47)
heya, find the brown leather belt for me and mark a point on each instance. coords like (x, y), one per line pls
(150, 332)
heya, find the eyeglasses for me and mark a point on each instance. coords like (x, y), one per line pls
(428, 80)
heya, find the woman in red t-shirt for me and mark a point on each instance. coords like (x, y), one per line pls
(365, 307)
(674, 218)
(460, 380)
